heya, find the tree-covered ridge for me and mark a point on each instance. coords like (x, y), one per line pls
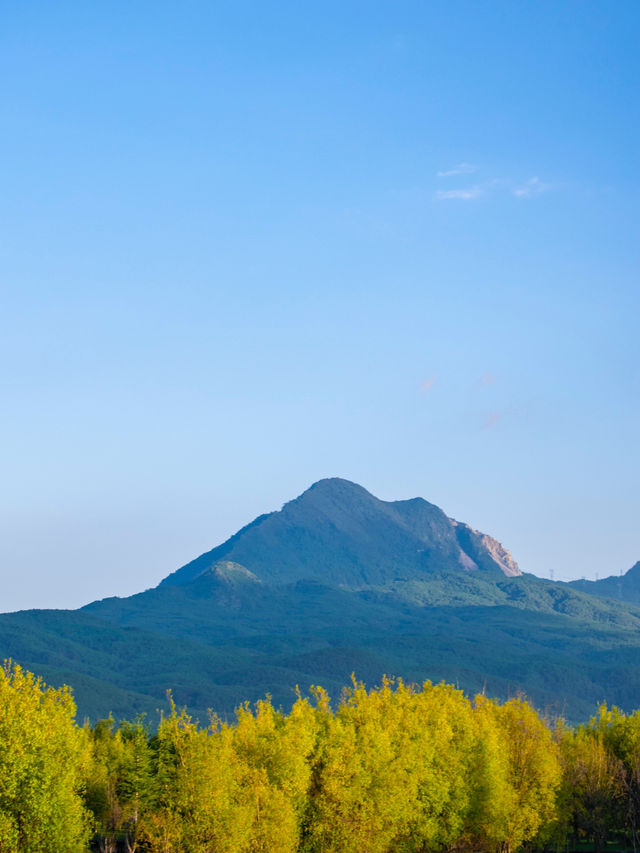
(396, 768)
(337, 581)
(624, 587)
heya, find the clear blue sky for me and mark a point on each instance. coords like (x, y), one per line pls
(244, 246)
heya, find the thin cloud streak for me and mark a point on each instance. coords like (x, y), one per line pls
(533, 186)
(463, 194)
(460, 169)
(529, 189)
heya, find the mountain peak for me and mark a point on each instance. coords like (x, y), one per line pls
(336, 485)
(335, 490)
(338, 533)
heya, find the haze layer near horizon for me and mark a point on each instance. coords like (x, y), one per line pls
(246, 248)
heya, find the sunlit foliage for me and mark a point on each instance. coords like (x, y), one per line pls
(43, 761)
(396, 769)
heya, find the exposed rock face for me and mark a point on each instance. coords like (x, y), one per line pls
(338, 533)
(467, 563)
(483, 548)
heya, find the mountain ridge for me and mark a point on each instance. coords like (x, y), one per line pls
(624, 587)
(337, 582)
(337, 530)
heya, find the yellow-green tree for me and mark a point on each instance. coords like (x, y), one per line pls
(619, 735)
(490, 802)
(196, 797)
(442, 742)
(592, 785)
(526, 806)
(43, 756)
(392, 771)
(355, 803)
(275, 754)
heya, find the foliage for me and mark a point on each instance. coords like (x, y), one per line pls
(337, 582)
(396, 769)
(602, 777)
(43, 757)
(218, 653)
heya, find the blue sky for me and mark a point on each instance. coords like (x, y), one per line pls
(247, 246)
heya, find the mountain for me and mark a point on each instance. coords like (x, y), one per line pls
(334, 583)
(339, 533)
(624, 587)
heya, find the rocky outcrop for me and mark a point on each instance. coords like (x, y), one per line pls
(485, 551)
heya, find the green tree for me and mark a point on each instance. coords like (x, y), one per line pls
(275, 751)
(197, 802)
(119, 782)
(43, 757)
(592, 785)
(619, 735)
(392, 770)
(528, 803)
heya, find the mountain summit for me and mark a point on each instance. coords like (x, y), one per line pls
(339, 534)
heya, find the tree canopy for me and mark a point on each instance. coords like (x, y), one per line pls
(395, 769)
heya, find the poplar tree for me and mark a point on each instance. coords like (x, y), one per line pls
(43, 758)
(276, 755)
(529, 808)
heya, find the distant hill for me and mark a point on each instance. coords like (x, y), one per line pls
(338, 582)
(624, 587)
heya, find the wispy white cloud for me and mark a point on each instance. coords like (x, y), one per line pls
(427, 384)
(465, 194)
(533, 186)
(460, 169)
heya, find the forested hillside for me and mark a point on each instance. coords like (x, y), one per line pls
(396, 768)
(340, 534)
(623, 587)
(334, 583)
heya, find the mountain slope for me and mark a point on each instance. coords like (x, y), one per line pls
(308, 633)
(339, 533)
(338, 582)
(624, 587)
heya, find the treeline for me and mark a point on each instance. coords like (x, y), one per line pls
(397, 768)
